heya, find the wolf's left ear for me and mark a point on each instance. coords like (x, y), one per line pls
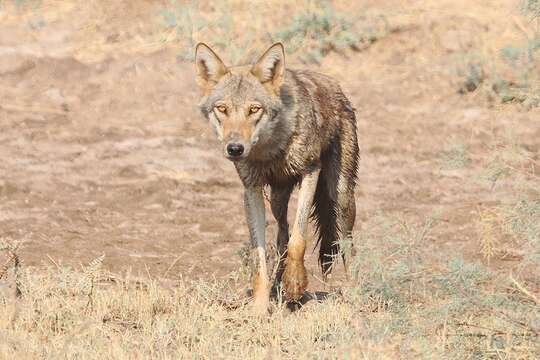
(210, 68)
(271, 66)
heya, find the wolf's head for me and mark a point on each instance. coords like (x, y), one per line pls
(241, 103)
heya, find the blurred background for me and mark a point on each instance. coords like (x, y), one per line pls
(104, 151)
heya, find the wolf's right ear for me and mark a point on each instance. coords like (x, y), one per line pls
(209, 66)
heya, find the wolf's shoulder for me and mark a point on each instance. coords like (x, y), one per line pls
(312, 79)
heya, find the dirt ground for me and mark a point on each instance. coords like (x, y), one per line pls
(103, 150)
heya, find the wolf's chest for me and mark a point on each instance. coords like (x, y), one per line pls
(275, 172)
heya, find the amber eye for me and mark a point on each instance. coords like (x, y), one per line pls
(254, 109)
(222, 109)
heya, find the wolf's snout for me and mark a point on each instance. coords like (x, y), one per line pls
(235, 149)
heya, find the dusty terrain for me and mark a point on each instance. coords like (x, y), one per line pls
(103, 150)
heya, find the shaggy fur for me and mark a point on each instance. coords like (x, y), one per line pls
(303, 123)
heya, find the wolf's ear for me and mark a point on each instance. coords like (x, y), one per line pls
(271, 66)
(210, 68)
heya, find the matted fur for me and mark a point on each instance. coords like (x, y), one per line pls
(306, 123)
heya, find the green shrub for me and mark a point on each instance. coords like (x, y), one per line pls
(514, 76)
(311, 31)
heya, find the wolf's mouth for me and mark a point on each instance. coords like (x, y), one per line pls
(235, 158)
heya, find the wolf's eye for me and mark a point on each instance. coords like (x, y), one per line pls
(254, 109)
(222, 109)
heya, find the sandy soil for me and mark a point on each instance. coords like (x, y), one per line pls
(105, 152)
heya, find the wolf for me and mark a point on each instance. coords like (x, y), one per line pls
(282, 128)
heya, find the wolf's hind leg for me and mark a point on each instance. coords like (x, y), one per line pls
(295, 276)
(346, 215)
(279, 201)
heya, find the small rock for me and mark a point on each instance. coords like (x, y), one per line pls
(472, 114)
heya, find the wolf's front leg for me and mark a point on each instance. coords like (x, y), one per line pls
(255, 214)
(295, 277)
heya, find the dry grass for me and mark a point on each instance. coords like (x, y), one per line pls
(401, 302)
(402, 299)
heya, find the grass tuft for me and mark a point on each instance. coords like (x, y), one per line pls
(513, 74)
(309, 29)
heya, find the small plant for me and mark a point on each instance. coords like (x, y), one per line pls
(531, 8)
(310, 32)
(488, 225)
(37, 22)
(87, 284)
(513, 75)
(516, 222)
(13, 261)
(324, 30)
(474, 77)
(456, 157)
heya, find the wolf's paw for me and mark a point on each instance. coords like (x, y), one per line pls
(294, 279)
(259, 306)
(261, 295)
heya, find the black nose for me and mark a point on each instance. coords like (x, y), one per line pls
(234, 149)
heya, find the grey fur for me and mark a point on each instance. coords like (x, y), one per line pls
(306, 123)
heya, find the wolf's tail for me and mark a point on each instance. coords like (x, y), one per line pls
(325, 216)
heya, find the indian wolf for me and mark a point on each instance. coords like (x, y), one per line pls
(282, 128)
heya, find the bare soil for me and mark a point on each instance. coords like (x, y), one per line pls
(103, 150)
